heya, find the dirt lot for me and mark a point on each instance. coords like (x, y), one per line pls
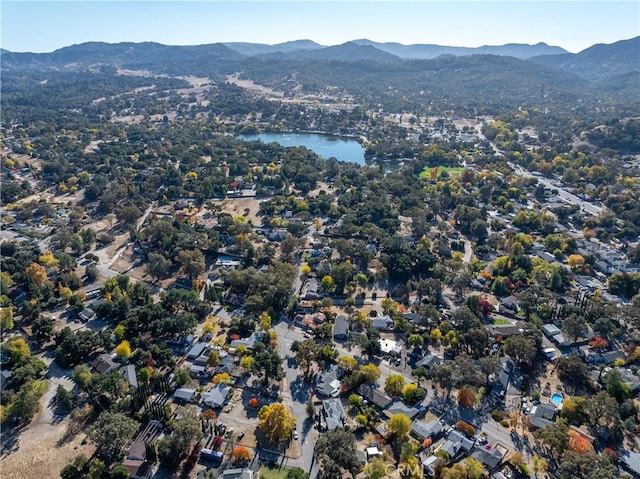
(237, 207)
(39, 451)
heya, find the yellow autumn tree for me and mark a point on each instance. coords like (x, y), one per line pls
(36, 273)
(123, 350)
(276, 423)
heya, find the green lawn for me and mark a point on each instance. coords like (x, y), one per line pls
(452, 171)
(266, 473)
(501, 322)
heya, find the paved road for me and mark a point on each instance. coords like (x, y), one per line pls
(296, 394)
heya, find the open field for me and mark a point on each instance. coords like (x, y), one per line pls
(452, 171)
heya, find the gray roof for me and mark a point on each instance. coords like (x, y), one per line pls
(129, 373)
(546, 411)
(237, 474)
(539, 422)
(631, 461)
(457, 441)
(399, 407)
(491, 458)
(185, 394)
(197, 350)
(217, 396)
(334, 413)
(429, 361)
(104, 364)
(372, 393)
(340, 326)
(382, 322)
(423, 430)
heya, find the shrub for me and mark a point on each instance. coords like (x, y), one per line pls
(465, 427)
(496, 415)
(253, 402)
(504, 423)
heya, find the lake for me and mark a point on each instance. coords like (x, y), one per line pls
(326, 146)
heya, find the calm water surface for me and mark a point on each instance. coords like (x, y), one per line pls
(326, 146)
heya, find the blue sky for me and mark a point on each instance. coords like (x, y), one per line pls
(574, 25)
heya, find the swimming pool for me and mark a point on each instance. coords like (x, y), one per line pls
(556, 399)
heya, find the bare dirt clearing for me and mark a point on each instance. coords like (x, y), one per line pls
(40, 450)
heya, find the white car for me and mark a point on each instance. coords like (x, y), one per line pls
(295, 435)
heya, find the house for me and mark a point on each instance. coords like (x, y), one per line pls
(5, 377)
(247, 342)
(457, 443)
(383, 323)
(197, 371)
(333, 413)
(389, 346)
(197, 350)
(341, 328)
(399, 407)
(630, 462)
(311, 321)
(545, 411)
(491, 458)
(630, 380)
(374, 395)
(217, 396)
(87, 314)
(138, 468)
(227, 364)
(423, 430)
(505, 330)
(611, 356)
(103, 364)
(310, 289)
(184, 395)
(237, 474)
(329, 384)
(129, 373)
(428, 362)
(508, 305)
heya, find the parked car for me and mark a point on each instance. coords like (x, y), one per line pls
(240, 434)
(295, 435)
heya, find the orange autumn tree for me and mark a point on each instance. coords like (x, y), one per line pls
(578, 443)
(241, 454)
(253, 402)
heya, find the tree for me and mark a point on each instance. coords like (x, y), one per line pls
(399, 424)
(111, 431)
(172, 449)
(575, 261)
(376, 469)
(270, 363)
(192, 262)
(221, 378)
(489, 365)
(602, 409)
(539, 464)
(123, 350)
(276, 423)
(347, 363)
(572, 370)
(413, 394)
(466, 397)
(555, 437)
(241, 454)
(474, 468)
(213, 359)
(336, 451)
(27, 400)
(575, 326)
(18, 349)
(6, 319)
(265, 321)
(616, 387)
(129, 214)
(92, 272)
(158, 266)
(394, 385)
(81, 375)
(119, 472)
(368, 373)
(305, 270)
(521, 349)
(327, 284)
(36, 273)
(587, 466)
(305, 353)
(415, 341)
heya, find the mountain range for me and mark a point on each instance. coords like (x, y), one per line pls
(534, 72)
